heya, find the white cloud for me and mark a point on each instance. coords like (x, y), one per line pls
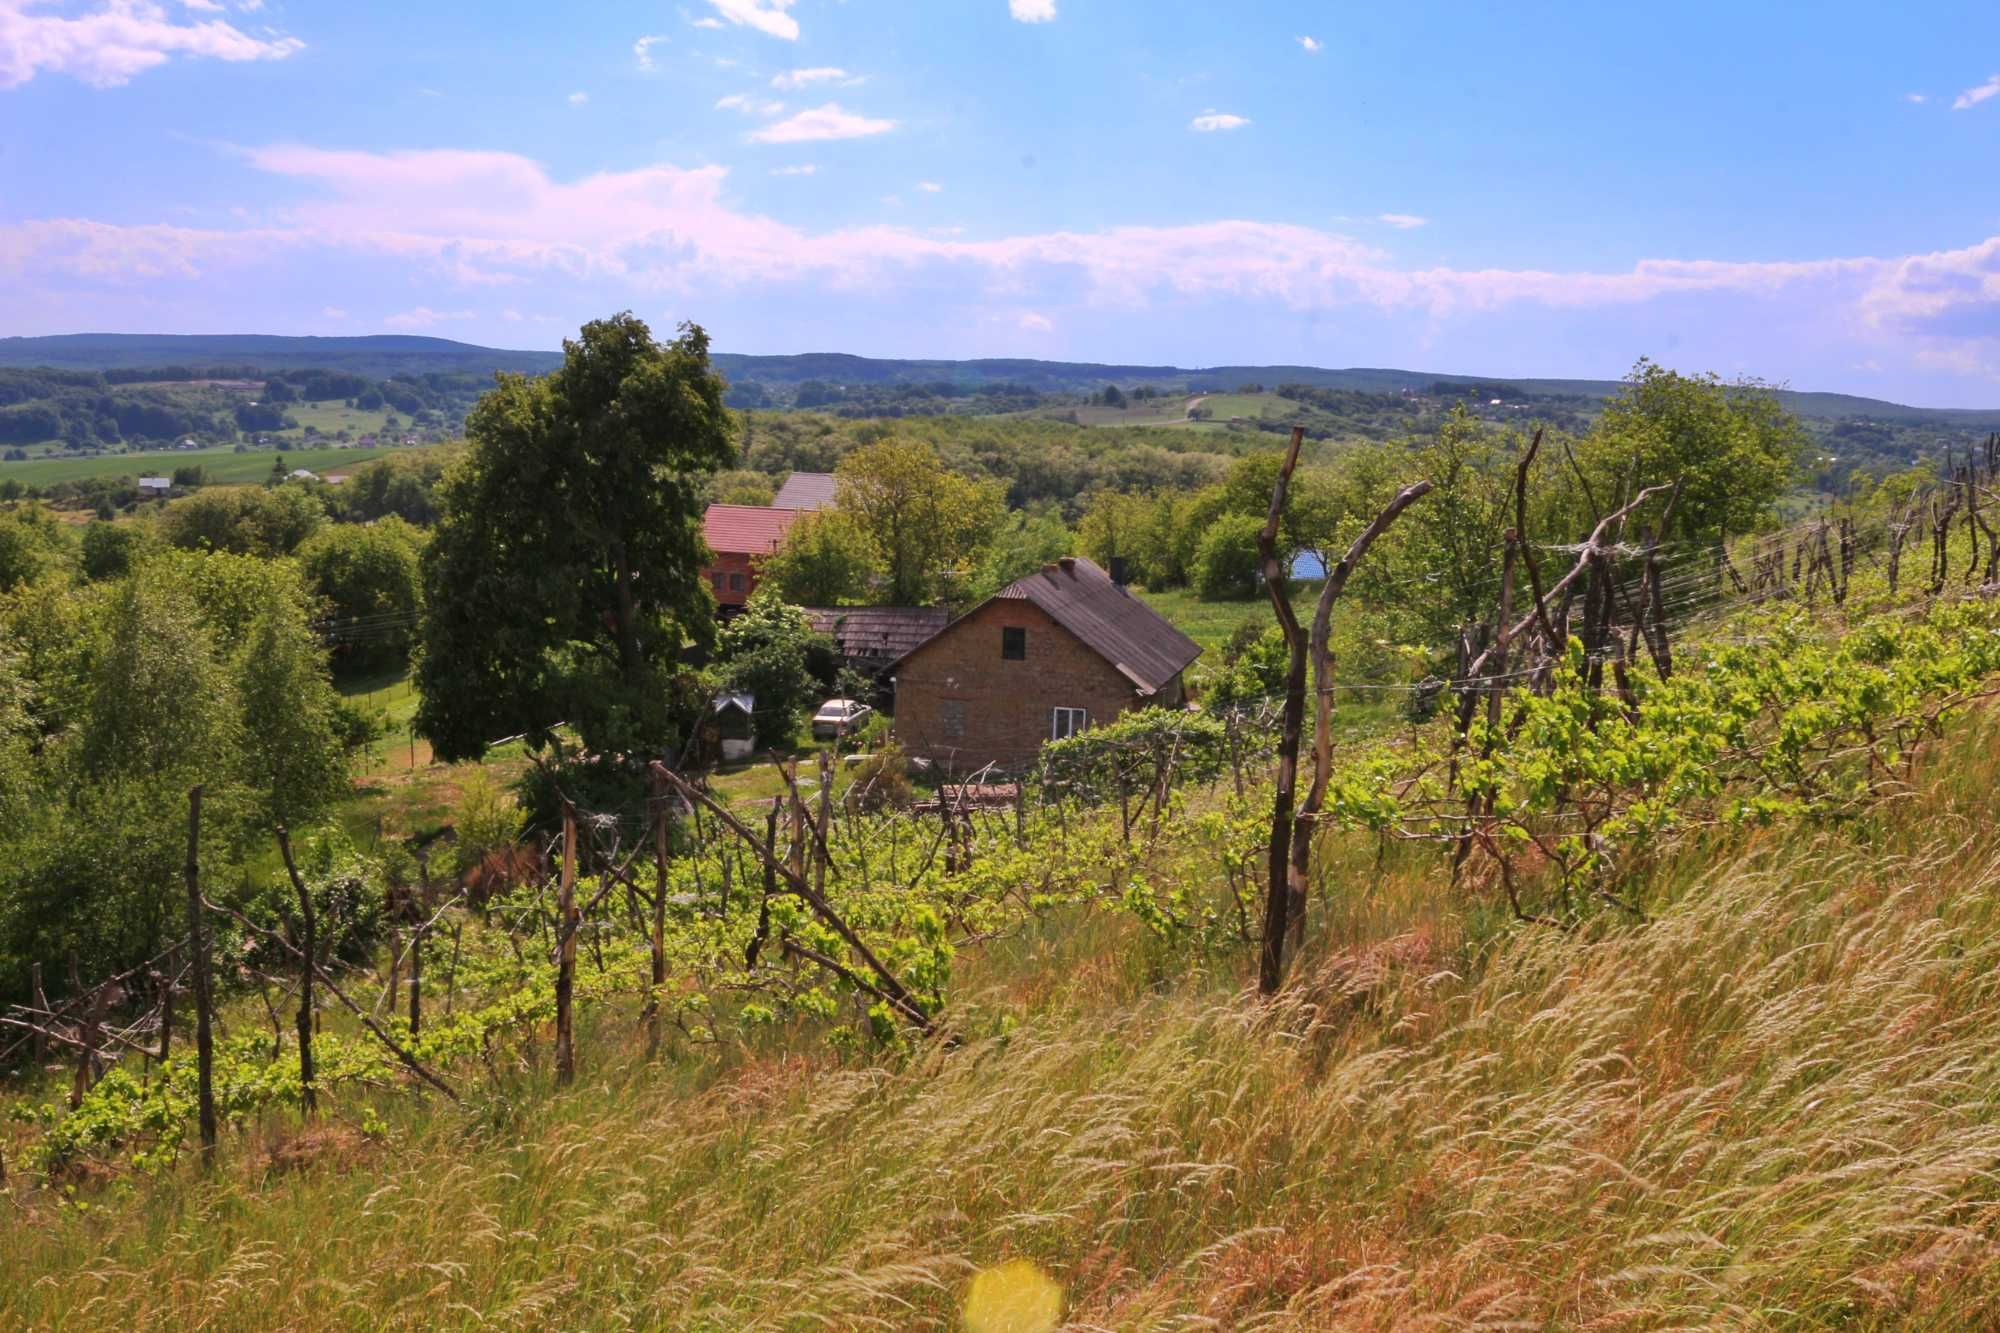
(799, 78)
(578, 99)
(1401, 221)
(712, 23)
(1312, 45)
(1208, 122)
(642, 51)
(930, 187)
(464, 220)
(424, 317)
(802, 169)
(766, 16)
(333, 312)
(1918, 98)
(749, 106)
(1032, 11)
(1036, 323)
(1972, 97)
(822, 122)
(115, 40)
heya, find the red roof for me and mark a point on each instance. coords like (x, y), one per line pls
(746, 529)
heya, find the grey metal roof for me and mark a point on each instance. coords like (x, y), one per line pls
(806, 490)
(1124, 631)
(877, 633)
(1142, 644)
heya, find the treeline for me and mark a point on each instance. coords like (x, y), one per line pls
(929, 398)
(87, 410)
(130, 671)
(1036, 460)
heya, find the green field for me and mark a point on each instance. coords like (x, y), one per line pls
(222, 465)
(332, 417)
(1251, 406)
(1168, 411)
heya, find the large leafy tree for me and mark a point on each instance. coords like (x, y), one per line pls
(924, 520)
(1731, 446)
(769, 652)
(827, 560)
(565, 572)
(366, 576)
(291, 749)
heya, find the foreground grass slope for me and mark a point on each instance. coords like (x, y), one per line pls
(1775, 1104)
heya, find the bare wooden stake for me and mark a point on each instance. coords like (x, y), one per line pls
(1277, 898)
(309, 946)
(204, 1039)
(659, 939)
(566, 952)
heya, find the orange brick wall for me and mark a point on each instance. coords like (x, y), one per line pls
(725, 564)
(1008, 706)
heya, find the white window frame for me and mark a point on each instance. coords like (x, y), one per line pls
(1077, 718)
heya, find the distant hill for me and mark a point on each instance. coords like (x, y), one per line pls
(374, 357)
(382, 355)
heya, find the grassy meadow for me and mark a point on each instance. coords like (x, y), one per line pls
(1776, 1104)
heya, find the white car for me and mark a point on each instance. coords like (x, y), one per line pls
(839, 717)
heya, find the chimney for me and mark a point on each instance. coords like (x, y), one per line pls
(1117, 570)
(1068, 564)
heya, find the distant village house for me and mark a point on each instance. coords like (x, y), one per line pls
(742, 538)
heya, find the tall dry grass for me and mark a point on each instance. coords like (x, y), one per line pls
(1776, 1105)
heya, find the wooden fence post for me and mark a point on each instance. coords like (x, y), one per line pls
(309, 946)
(566, 925)
(41, 1003)
(659, 939)
(204, 1008)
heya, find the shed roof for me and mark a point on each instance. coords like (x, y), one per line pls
(806, 490)
(1134, 638)
(746, 529)
(877, 633)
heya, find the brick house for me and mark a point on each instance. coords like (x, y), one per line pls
(1045, 657)
(741, 537)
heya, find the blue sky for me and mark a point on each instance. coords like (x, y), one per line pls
(1807, 194)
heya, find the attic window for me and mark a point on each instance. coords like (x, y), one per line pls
(1013, 644)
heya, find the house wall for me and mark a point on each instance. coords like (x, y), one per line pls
(1006, 707)
(719, 575)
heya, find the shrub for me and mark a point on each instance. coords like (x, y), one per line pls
(1226, 564)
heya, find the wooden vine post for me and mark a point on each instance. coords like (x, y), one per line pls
(566, 924)
(659, 940)
(1277, 899)
(204, 1039)
(1292, 825)
(309, 946)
